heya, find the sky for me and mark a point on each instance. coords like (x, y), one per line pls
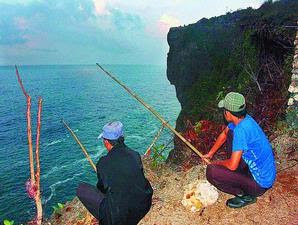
(45, 32)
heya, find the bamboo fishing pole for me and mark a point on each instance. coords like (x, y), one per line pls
(80, 144)
(156, 114)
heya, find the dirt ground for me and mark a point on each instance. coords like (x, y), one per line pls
(277, 206)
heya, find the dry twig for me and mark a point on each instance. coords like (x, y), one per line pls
(34, 183)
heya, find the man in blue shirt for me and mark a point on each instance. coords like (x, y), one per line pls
(250, 170)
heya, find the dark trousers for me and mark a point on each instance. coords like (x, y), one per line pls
(91, 198)
(235, 182)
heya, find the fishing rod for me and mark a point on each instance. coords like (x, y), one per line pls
(80, 144)
(156, 114)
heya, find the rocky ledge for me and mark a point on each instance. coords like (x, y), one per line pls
(250, 51)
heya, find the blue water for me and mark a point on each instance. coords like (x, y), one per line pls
(86, 99)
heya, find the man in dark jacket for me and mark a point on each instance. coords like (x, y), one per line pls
(123, 195)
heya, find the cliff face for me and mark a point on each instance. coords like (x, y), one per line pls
(193, 51)
(249, 51)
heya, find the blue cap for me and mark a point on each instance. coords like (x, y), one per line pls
(112, 131)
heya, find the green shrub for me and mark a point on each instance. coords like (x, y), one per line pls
(292, 117)
(8, 222)
(157, 156)
(57, 209)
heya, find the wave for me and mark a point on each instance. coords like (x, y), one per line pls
(94, 158)
(55, 142)
(53, 187)
(53, 170)
(152, 132)
(75, 131)
(137, 137)
(56, 169)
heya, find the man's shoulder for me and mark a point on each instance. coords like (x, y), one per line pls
(247, 123)
(132, 152)
(231, 126)
(102, 160)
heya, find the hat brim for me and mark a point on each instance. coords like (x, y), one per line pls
(221, 104)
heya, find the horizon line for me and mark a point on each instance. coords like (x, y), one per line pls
(83, 64)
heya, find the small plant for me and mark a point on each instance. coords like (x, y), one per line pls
(157, 155)
(220, 95)
(58, 208)
(291, 118)
(8, 222)
(282, 126)
(198, 127)
(80, 216)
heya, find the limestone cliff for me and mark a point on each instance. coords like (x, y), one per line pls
(249, 51)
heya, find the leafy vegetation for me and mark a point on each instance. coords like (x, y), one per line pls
(231, 53)
(157, 156)
(291, 118)
(57, 208)
(249, 51)
(8, 222)
(236, 70)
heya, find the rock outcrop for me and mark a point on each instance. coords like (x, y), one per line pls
(249, 51)
(292, 110)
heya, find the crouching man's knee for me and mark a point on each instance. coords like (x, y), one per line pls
(81, 189)
(211, 173)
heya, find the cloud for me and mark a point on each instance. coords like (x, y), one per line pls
(100, 7)
(12, 37)
(77, 31)
(162, 26)
(128, 21)
(12, 28)
(80, 7)
(21, 2)
(45, 50)
(21, 23)
(39, 28)
(165, 22)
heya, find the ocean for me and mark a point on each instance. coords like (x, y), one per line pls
(86, 99)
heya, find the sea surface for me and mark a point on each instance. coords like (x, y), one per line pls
(86, 99)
